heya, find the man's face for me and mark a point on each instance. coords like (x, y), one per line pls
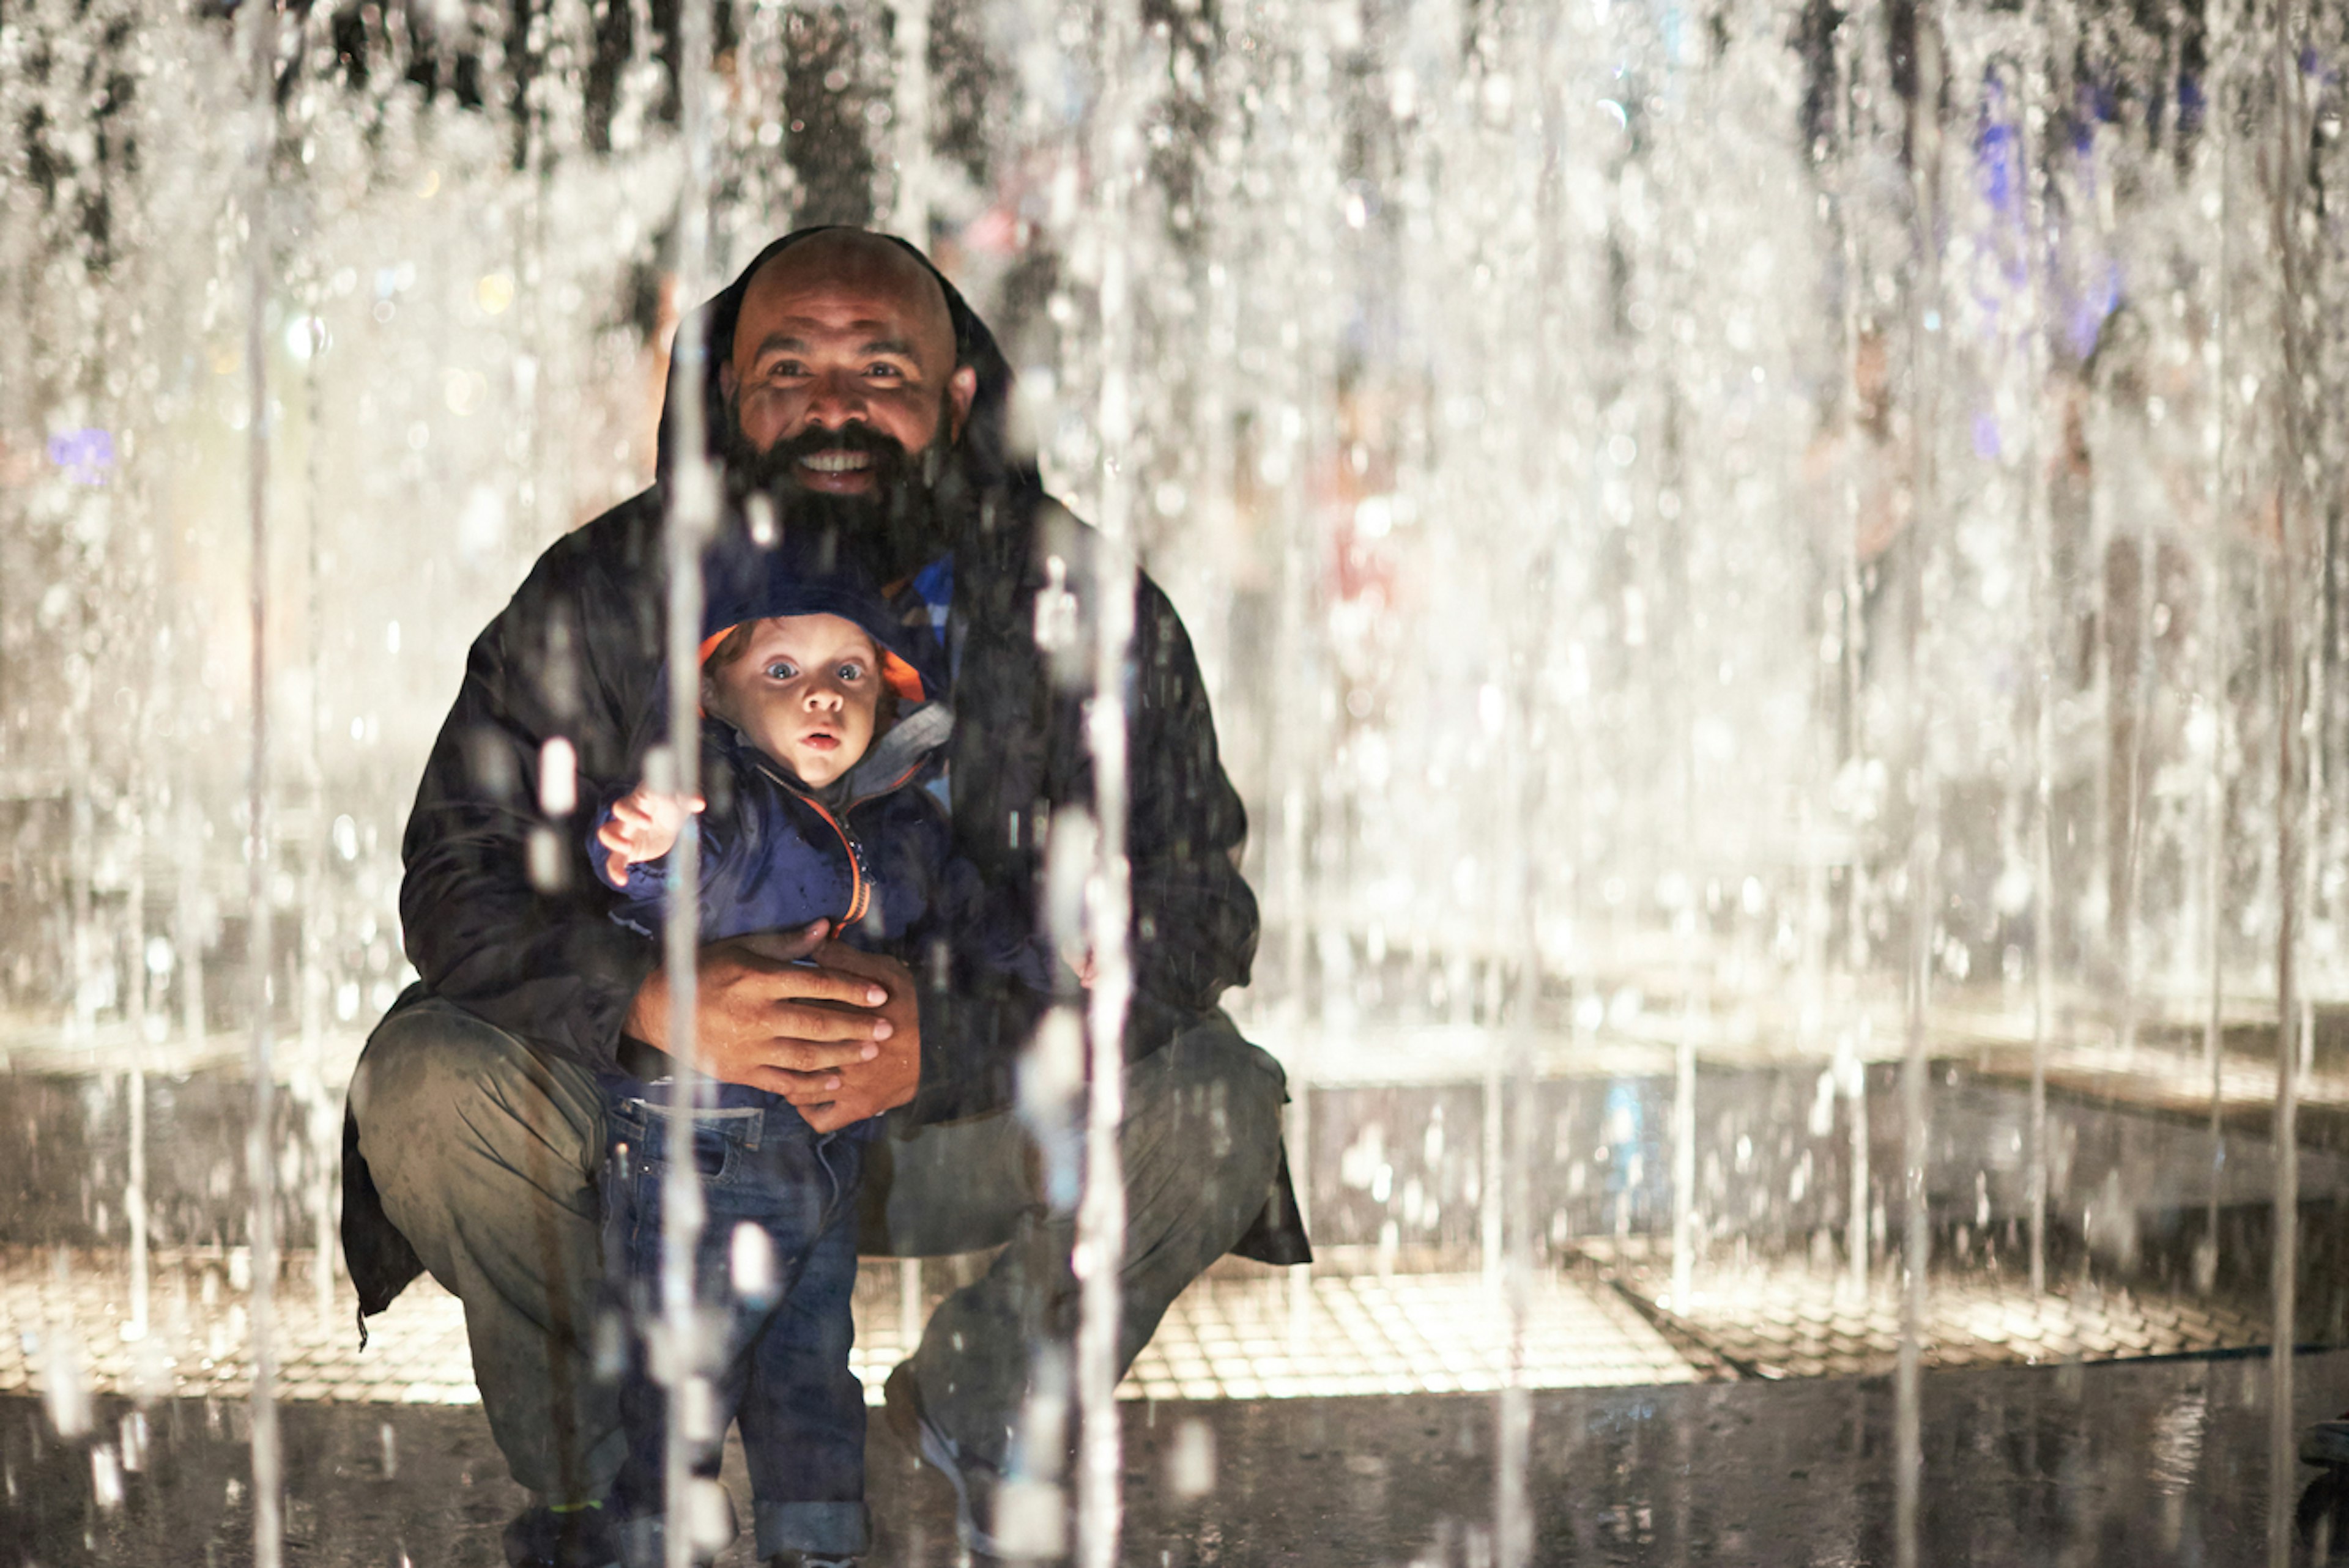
(804, 691)
(844, 349)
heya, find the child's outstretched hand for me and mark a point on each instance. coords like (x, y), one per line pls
(643, 826)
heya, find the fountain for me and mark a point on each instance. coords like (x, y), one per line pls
(1769, 574)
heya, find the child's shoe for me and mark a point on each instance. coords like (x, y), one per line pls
(644, 1539)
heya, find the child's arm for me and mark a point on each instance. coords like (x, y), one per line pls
(642, 826)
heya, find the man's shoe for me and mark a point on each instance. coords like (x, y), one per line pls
(2325, 1443)
(975, 1481)
(575, 1537)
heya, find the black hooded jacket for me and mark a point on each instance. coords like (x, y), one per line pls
(578, 655)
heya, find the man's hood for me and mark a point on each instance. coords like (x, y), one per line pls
(986, 448)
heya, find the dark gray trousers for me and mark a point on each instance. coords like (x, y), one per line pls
(486, 1153)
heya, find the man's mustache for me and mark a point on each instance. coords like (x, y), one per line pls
(776, 469)
(851, 438)
(902, 521)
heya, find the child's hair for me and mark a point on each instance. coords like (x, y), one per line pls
(736, 642)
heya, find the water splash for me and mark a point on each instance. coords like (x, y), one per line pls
(1411, 298)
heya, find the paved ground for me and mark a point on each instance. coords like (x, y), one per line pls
(1341, 1417)
(67, 1320)
(1781, 1318)
(2122, 1463)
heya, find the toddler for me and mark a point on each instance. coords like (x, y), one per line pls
(821, 731)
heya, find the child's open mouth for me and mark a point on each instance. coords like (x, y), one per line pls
(821, 739)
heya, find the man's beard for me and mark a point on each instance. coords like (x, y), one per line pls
(892, 530)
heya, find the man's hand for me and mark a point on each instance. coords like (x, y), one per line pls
(762, 1019)
(882, 1081)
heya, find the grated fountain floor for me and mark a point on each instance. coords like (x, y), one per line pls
(1255, 1334)
(1242, 1333)
(1276, 1422)
(1785, 1319)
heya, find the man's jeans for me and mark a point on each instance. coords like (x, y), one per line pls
(487, 1156)
(783, 1364)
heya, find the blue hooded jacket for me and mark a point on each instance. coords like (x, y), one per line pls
(872, 853)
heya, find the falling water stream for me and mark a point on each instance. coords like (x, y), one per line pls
(260, 41)
(683, 1360)
(1746, 539)
(1115, 156)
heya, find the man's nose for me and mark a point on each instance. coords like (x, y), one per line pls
(837, 398)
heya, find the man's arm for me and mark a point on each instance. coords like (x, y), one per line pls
(1194, 918)
(536, 955)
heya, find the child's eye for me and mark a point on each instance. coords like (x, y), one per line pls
(782, 670)
(851, 672)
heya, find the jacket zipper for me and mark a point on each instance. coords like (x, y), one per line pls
(860, 892)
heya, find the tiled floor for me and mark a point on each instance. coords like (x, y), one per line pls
(2179, 1083)
(1435, 1333)
(1262, 1334)
(389, 1460)
(1787, 1320)
(1242, 1335)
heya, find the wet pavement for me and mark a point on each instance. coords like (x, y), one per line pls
(68, 1321)
(1340, 1417)
(2157, 1462)
(1788, 1318)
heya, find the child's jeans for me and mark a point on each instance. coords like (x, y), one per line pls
(782, 1368)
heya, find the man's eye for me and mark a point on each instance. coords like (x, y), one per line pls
(890, 371)
(785, 370)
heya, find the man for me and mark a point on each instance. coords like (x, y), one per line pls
(849, 379)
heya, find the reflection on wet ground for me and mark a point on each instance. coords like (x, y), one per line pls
(2122, 1463)
(1345, 1412)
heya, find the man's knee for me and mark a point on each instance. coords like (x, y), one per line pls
(435, 1082)
(1210, 1095)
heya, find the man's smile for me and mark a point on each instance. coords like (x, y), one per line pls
(838, 471)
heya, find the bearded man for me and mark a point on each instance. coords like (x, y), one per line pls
(850, 381)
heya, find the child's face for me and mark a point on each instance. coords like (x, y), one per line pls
(804, 691)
